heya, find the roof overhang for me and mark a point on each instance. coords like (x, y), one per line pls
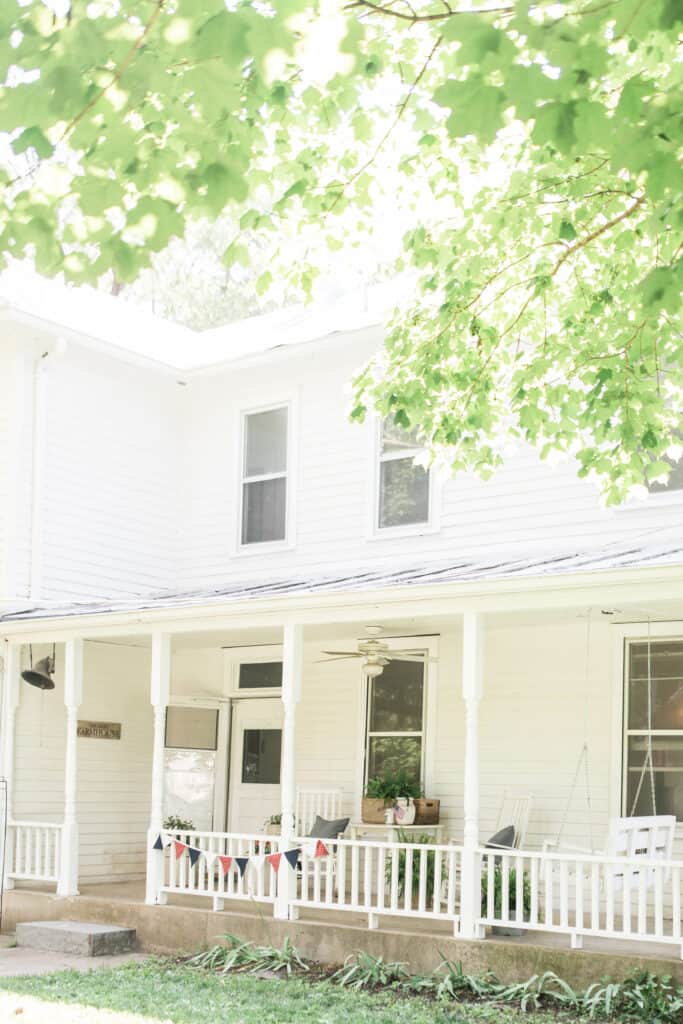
(628, 588)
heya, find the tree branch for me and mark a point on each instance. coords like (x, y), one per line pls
(414, 19)
(587, 239)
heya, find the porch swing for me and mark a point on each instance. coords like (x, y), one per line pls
(649, 837)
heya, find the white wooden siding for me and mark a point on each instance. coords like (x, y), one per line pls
(141, 484)
(114, 776)
(527, 505)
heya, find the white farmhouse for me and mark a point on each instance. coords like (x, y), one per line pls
(224, 569)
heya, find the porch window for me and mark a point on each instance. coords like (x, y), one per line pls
(264, 476)
(403, 486)
(260, 675)
(655, 712)
(395, 722)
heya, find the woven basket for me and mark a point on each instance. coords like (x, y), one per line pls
(372, 810)
(426, 811)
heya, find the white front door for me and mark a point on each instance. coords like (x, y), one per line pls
(256, 750)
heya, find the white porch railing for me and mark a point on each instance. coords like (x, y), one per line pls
(206, 877)
(34, 851)
(605, 897)
(378, 878)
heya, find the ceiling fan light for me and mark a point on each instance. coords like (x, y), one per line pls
(373, 669)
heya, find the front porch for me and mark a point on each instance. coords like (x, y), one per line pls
(187, 923)
(517, 696)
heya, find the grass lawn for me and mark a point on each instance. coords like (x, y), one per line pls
(164, 992)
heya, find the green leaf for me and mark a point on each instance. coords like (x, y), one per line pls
(567, 231)
(33, 138)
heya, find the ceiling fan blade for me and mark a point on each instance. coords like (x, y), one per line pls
(344, 654)
(341, 657)
(410, 656)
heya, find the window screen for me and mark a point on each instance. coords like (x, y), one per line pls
(191, 728)
(260, 675)
(261, 756)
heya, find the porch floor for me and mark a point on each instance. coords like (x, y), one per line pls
(330, 935)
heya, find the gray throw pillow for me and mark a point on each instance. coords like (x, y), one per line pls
(505, 838)
(325, 829)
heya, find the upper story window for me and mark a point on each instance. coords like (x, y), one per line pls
(403, 498)
(264, 476)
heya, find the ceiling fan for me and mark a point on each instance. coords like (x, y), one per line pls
(376, 653)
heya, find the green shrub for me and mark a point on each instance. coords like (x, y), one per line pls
(362, 970)
(498, 891)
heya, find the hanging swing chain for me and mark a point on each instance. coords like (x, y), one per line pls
(584, 760)
(649, 760)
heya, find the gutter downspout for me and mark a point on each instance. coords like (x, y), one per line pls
(38, 462)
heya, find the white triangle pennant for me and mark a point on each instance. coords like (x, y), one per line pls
(210, 859)
(258, 861)
(309, 847)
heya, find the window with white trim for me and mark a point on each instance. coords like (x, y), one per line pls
(403, 486)
(395, 720)
(264, 476)
(654, 727)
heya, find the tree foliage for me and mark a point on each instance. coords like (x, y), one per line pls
(535, 145)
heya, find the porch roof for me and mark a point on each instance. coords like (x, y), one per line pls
(596, 561)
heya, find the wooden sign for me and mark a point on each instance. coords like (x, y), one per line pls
(99, 730)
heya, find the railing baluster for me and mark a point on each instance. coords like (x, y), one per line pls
(519, 890)
(394, 877)
(505, 888)
(408, 880)
(422, 885)
(534, 883)
(436, 905)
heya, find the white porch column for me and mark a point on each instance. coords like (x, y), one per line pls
(292, 668)
(73, 695)
(10, 700)
(472, 689)
(160, 686)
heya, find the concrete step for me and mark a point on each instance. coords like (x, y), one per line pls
(80, 938)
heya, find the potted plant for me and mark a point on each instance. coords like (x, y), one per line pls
(177, 825)
(414, 880)
(273, 825)
(503, 929)
(383, 791)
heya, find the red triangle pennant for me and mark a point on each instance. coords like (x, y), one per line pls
(226, 864)
(274, 861)
(179, 849)
(321, 850)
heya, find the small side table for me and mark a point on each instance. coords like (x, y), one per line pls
(389, 833)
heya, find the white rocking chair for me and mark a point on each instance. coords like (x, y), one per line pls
(515, 811)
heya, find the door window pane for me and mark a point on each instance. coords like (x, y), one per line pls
(260, 675)
(396, 698)
(191, 728)
(266, 443)
(264, 510)
(261, 756)
(403, 493)
(390, 754)
(667, 757)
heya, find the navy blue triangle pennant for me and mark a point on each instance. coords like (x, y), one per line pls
(194, 855)
(292, 857)
(159, 845)
(241, 863)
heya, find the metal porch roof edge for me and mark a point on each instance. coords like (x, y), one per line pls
(536, 568)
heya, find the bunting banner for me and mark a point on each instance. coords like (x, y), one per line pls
(226, 864)
(292, 858)
(274, 861)
(257, 861)
(312, 848)
(321, 850)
